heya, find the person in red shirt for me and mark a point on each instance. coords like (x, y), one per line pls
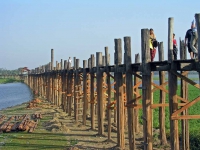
(175, 50)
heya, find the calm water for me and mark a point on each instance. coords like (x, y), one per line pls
(12, 94)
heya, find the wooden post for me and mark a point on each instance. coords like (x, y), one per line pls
(74, 88)
(107, 61)
(64, 87)
(184, 94)
(173, 103)
(197, 17)
(100, 94)
(146, 91)
(52, 58)
(136, 90)
(163, 138)
(56, 84)
(69, 91)
(119, 95)
(92, 97)
(84, 92)
(76, 98)
(129, 92)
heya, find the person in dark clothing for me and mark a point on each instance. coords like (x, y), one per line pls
(188, 37)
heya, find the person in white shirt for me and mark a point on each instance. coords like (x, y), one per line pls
(69, 62)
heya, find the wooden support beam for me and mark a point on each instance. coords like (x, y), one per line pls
(197, 18)
(146, 91)
(185, 107)
(184, 94)
(132, 119)
(76, 98)
(119, 93)
(100, 94)
(173, 103)
(186, 117)
(92, 97)
(52, 59)
(186, 79)
(163, 138)
(85, 103)
(107, 61)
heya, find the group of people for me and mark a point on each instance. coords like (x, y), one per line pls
(191, 39)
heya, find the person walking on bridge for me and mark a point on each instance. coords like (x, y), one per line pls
(194, 39)
(153, 44)
(190, 39)
(175, 50)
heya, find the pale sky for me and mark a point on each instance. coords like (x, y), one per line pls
(29, 29)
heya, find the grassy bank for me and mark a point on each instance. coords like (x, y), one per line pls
(194, 124)
(41, 138)
(11, 80)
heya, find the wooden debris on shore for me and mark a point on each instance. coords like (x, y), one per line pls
(34, 103)
(19, 123)
(37, 116)
(2, 118)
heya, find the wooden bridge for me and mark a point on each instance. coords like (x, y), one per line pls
(99, 90)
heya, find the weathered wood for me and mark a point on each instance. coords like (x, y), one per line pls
(185, 106)
(197, 18)
(119, 95)
(184, 94)
(92, 97)
(132, 119)
(163, 138)
(136, 90)
(76, 97)
(186, 79)
(174, 138)
(69, 92)
(100, 94)
(52, 58)
(146, 91)
(107, 61)
(85, 106)
(186, 117)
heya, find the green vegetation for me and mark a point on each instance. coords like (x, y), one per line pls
(39, 139)
(9, 80)
(194, 124)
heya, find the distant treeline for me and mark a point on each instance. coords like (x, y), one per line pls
(9, 72)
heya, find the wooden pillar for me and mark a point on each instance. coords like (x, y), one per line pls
(76, 98)
(92, 97)
(52, 58)
(197, 17)
(136, 90)
(85, 103)
(100, 102)
(64, 87)
(129, 93)
(119, 95)
(107, 62)
(184, 94)
(74, 88)
(163, 138)
(69, 90)
(146, 91)
(173, 103)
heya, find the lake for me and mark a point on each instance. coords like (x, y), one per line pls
(12, 94)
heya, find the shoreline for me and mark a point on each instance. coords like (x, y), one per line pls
(9, 80)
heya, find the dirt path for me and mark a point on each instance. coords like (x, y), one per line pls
(77, 136)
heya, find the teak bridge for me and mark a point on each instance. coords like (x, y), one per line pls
(97, 91)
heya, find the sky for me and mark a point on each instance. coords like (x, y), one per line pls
(29, 29)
